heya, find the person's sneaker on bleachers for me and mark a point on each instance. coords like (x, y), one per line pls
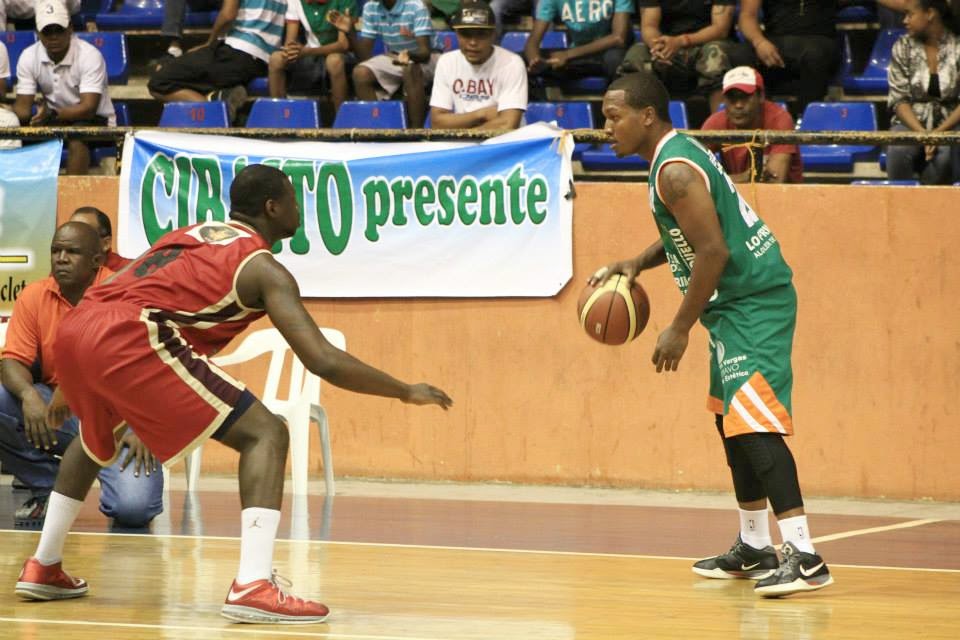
(234, 97)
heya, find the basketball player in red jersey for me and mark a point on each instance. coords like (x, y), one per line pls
(134, 350)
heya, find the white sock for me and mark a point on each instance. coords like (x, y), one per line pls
(61, 512)
(797, 531)
(755, 528)
(258, 533)
(175, 51)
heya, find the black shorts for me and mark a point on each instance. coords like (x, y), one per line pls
(206, 69)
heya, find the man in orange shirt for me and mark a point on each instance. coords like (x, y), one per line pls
(101, 223)
(28, 448)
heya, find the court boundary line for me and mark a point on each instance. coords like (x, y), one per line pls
(245, 629)
(861, 532)
(638, 556)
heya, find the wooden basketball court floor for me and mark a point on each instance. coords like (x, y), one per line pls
(430, 562)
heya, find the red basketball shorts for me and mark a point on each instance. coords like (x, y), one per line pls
(119, 364)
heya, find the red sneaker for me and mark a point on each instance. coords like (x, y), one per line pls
(264, 601)
(42, 582)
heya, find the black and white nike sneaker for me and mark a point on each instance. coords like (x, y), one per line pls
(741, 561)
(799, 571)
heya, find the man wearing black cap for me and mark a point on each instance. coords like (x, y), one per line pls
(479, 85)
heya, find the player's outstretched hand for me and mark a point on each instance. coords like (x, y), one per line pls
(628, 268)
(424, 393)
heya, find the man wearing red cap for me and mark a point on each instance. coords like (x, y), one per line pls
(747, 108)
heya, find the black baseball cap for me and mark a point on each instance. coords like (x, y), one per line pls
(474, 14)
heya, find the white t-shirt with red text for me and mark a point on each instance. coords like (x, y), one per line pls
(462, 87)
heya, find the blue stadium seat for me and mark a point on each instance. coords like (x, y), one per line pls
(144, 14)
(874, 76)
(16, 42)
(837, 116)
(857, 14)
(516, 40)
(259, 87)
(284, 113)
(110, 151)
(446, 41)
(200, 115)
(602, 157)
(887, 183)
(359, 114)
(113, 46)
(568, 115)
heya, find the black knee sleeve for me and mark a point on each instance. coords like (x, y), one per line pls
(746, 485)
(774, 466)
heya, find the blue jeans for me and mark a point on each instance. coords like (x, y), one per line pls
(130, 501)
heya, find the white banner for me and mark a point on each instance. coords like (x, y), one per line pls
(417, 219)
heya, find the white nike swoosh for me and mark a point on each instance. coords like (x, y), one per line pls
(810, 572)
(233, 596)
(747, 567)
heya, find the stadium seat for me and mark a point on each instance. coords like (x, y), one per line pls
(568, 115)
(259, 87)
(98, 154)
(874, 76)
(446, 41)
(837, 116)
(144, 14)
(200, 115)
(602, 157)
(516, 40)
(16, 42)
(284, 113)
(360, 114)
(113, 46)
(887, 183)
(857, 14)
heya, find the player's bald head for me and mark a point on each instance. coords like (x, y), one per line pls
(253, 186)
(640, 90)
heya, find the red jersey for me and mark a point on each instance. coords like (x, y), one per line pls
(772, 116)
(114, 261)
(188, 278)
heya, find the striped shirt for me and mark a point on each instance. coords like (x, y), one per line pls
(258, 28)
(399, 26)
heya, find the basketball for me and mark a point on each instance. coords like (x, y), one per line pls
(614, 312)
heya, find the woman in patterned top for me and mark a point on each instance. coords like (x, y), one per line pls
(924, 89)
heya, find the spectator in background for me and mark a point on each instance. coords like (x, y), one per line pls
(479, 85)
(325, 52)
(7, 118)
(599, 34)
(4, 69)
(174, 13)
(101, 223)
(406, 30)
(747, 108)
(70, 74)
(797, 46)
(132, 494)
(925, 93)
(26, 9)
(512, 8)
(685, 43)
(220, 70)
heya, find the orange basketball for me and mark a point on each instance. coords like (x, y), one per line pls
(614, 312)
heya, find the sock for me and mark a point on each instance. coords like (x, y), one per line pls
(175, 51)
(797, 531)
(755, 528)
(61, 512)
(258, 533)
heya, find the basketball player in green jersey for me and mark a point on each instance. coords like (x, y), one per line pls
(734, 279)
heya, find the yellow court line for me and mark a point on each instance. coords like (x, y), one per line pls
(545, 552)
(257, 630)
(863, 532)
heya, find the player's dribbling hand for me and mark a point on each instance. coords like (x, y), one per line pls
(137, 453)
(626, 267)
(670, 347)
(424, 393)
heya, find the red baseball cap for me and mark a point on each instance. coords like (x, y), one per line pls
(746, 79)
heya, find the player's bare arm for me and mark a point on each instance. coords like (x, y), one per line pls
(685, 193)
(265, 283)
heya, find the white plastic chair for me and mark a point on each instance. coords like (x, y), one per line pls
(297, 410)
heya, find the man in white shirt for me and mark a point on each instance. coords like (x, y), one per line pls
(7, 118)
(70, 74)
(480, 85)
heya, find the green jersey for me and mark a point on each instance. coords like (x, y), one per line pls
(755, 265)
